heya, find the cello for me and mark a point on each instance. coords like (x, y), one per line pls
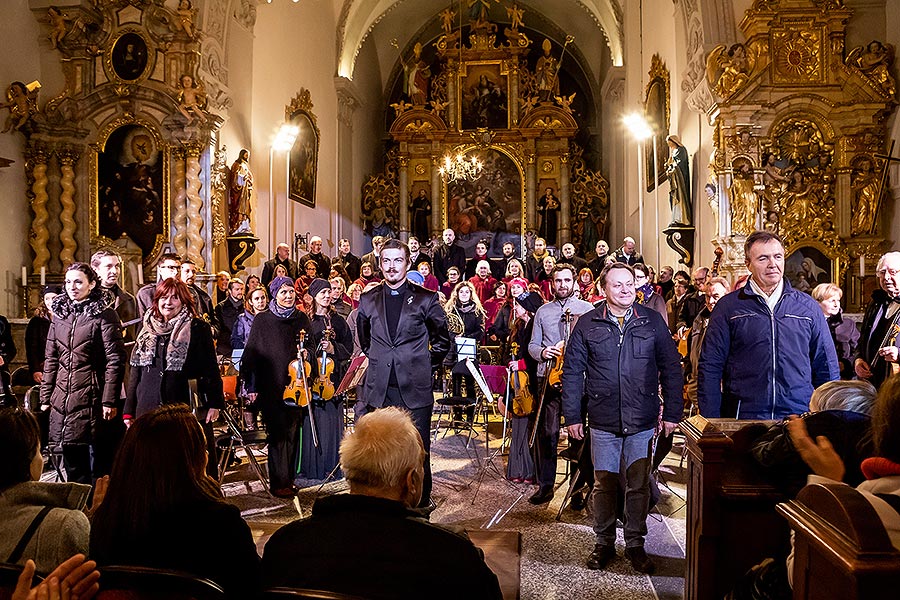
(323, 386)
(297, 390)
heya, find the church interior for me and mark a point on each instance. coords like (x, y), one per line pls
(685, 125)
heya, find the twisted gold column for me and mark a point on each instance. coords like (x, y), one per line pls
(39, 233)
(195, 205)
(179, 205)
(67, 159)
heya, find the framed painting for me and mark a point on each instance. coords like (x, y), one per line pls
(808, 264)
(656, 111)
(489, 207)
(483, 95)
(129, 56)
(304, 154)
(131, 187)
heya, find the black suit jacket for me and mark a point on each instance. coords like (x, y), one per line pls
(445, 257)
(269, 270)
(422, 323)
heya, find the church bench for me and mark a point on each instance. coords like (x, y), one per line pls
(841, 549)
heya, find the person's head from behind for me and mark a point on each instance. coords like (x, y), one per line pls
(855, 396)
(384, 457)
(167, 448)
(20, 446)
(886, 420)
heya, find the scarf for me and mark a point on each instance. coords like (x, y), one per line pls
(878, 466)
(179, 331)
(466, 307)
(643, 293)
(279, 311)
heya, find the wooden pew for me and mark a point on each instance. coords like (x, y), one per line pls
(732, 523)
(841, 549)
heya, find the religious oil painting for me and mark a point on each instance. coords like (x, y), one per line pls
(807, 266)
(656, 111)
(483, 95)
(302, 161)
(489, 207)
(130, 187)
(129, 56)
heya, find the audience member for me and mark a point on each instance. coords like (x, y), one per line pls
(347, 259)
(716, 290)
(202, 302)
(645, 294)
(227, 312)
(453, 275)
(394, 552)
(882, 312)
(429, 281)
(498, 297)
(844, 333)
(253, 282)
(534, 262)
(694, 302)
(514, 269)
(339, 301)
(447, 255)
(36, 333)
(665, 283)
(163, 511)
(568, 256)
(168, 265)
(628, 254)
(374, 257)
(481, 254)
(498, 263)
(598, 261)
(220, 292)
(323, 263)
(483, 281)
(256, 302)
(675, 302)
(367, 275)
(75, 578)
(282, 257)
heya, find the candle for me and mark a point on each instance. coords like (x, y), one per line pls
(24, 276)
(862, 265)
(140, 273)
(43, 275)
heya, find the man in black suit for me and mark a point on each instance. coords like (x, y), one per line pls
(374, 527)
(597, 263)
(323, 263)
(347, 259)
(227, 312)
(498, 263)
(397, 321)
(448, 255)
(282, 252)
(205, 308)
(568, 252)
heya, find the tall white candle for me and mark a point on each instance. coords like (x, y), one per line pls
(24, 275)
(43, 275)
(140, 275)
(862, 265)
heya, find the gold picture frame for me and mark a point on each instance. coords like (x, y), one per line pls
(657, 113)
(304, 155)
(482, 95)
(129, 58)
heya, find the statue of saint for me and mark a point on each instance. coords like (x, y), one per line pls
(419, 213)
(417, 73)
(865, 199)
(240, 186)
(743, 200)
(679, 175)
(546, 71)
(548, 207)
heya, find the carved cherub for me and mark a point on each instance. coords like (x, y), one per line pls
(192, 99)
(728, 69)
(447, 20)
(875, 62)
(58, 25)
(22, 104)
(515, 15)
(565, 101)
(401, 107)
(184, 18)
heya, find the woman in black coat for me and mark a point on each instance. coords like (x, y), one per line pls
(318, 462)
(174, 347)
(271, 347)
(83, 368)
(464, 305)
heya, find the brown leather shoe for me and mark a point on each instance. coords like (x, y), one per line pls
(600, 557)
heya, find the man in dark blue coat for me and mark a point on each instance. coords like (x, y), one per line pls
(767, 345)
(618, 356)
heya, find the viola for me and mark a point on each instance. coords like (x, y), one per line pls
(323, 385)
(297, 389)
(523, 401)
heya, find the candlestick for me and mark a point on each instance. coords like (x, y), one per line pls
(43, 276)
(24, 276)
(140, 275)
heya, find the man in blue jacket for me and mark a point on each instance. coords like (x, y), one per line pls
(767, 346)
(618, 356)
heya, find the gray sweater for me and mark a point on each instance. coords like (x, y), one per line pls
(65, 530)
(549, 328)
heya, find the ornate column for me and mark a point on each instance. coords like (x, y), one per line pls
(565, 210)
(37, 160)
(530, 198)
(348, 207)
(67, 160)
(514, 92)
(453, 111)
(404, 198)
(437, 206)
(195, 205)
(179, 204)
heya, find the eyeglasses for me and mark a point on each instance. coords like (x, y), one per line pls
(885, 272)
(639, 276)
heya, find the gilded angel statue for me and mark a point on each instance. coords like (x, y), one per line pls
(728, 69)
(875, 60)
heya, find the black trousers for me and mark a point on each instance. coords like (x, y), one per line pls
(78, 463)
(283, 433)
(547, 440)
(421, 418)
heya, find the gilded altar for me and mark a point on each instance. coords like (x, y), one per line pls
(800, 135)
(476, 92)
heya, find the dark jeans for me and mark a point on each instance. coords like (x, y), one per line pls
(283, 433)
(421, 418)
(547, 440)
(77, 461)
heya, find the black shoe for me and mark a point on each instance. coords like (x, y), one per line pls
(600, 557)
(639, 560)
(543, 495)
(577, 501)
(285, 492)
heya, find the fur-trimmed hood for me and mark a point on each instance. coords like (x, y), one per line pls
(97, 301)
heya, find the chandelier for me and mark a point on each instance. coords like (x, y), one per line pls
(460, 168)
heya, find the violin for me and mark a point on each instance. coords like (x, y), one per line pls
(297, 389)
(554, 373)
(523, 401)
(323, 386)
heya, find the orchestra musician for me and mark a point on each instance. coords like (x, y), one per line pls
(520, 468)
(877, 349)
(547, 344)
(328, 332)
(271, 347)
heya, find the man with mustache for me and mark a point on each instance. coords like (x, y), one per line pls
(767, 345)
(402, 329)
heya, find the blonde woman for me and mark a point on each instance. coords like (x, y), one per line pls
(465, 306)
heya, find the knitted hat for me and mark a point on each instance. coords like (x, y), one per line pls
(277, 283)
(317, 286)
(416, 277)
(521, 281)
(530, 301)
